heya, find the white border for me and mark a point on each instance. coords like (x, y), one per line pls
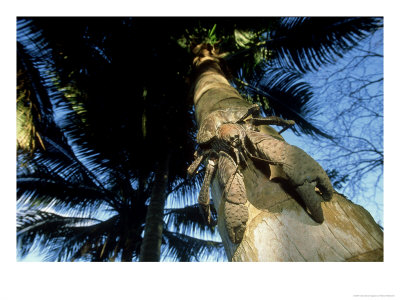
(196, 280)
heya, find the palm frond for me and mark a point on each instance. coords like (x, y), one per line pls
(308, 43)
(98, 242)
(34, 111)
(49, 188)
(61, 158)
(188, 220)
(185, 248)
(78, 136)
(185, 191)
(39, 221)
(63, 237)
(36, 55)
(33, 224)
(288, 97)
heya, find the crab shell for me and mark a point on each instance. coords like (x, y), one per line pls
(210, 125)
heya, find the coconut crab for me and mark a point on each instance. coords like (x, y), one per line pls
(226, 139)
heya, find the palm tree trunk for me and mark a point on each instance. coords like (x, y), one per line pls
(278, 227)
(151, 245)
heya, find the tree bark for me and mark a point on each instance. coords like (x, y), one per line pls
(151, 245)
(278, 227)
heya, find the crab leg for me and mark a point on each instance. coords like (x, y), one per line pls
(199, 157)
(271, 120)
(204, 195)
(235, 211)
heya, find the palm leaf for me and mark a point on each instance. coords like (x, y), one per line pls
(98, 242)
(37, 57)
(188, 220)
(308, 43)
(34, 111)
(64, 238)
(46, 188)
(185, 191)
(185, 248)
(287, 96)
(45, 228)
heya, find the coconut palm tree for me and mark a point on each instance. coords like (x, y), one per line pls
(266, 192)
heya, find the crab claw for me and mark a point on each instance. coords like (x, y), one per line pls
(204, 195)
(312, 200)
(302, 172)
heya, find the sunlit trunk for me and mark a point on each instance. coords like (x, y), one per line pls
(278, 227)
